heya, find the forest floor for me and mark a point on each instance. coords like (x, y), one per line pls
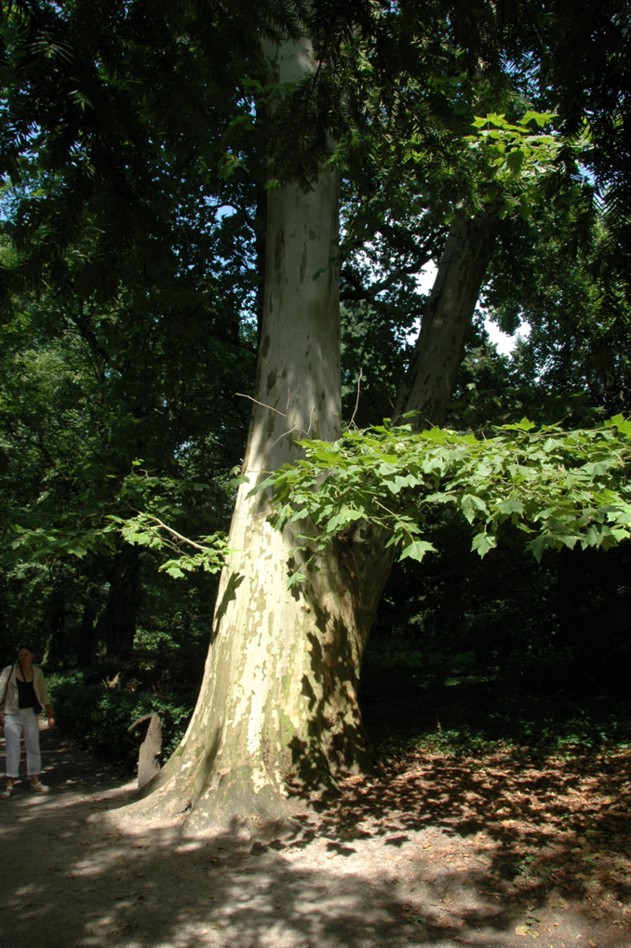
(492, 849)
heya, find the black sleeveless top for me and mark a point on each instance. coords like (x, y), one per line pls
(26, 694)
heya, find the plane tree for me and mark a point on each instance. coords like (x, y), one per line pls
(278, 709)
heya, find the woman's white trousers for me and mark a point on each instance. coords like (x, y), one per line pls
(25, 725)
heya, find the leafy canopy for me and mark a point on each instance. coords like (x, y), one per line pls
(554, 488)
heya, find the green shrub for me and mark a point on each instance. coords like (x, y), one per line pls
(99, 713)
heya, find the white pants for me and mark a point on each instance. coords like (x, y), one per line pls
(25, 725)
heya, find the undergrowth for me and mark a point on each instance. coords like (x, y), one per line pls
(413, 702)
(100, 711)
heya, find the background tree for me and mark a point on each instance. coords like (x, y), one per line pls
(146, 320)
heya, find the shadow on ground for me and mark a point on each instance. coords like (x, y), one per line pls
(429, 851)
(512, 841)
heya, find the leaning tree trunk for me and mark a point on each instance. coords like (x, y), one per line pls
(447, 317)
(438, 353)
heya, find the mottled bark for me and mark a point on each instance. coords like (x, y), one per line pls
(278, 706)
(278, 710)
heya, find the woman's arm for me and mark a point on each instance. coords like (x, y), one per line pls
(41, 691)
(4, 681)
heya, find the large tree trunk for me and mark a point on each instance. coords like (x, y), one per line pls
(278, 706)
(278, 710)
(278, 703)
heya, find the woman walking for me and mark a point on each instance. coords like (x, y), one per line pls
(23, 694)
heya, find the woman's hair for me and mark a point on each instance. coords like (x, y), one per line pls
(29, 648)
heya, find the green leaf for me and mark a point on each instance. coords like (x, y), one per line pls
(471, 506)
(173, 570)
(510, 507)
(296, 579)
(417, 550)
(539, 118)
(622, 424)
(483, 543)
(515, 161)
(342, 519)
(524, 425)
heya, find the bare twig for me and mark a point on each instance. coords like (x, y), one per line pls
(359, 385)
(283, 414)
(262, 404)
(178, 536)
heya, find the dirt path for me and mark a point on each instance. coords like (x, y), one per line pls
(432, 852)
